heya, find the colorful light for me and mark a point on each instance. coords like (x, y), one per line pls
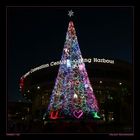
(95, 115)
(54, 115)
(22, 83)
(68, 63)
(75, 96)
(72, 95)
(78, 113)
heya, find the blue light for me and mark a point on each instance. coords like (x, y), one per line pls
(68, 63)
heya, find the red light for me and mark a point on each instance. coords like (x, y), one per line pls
(21, 83)
(54, 115)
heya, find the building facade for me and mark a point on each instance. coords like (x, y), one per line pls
(112, 84)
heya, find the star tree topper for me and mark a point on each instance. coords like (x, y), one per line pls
(70, 13)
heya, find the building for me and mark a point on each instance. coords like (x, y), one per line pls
(112, 82)
(18, 116)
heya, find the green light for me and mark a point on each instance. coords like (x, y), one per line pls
(95, 115)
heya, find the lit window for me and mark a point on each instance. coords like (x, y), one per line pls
(28, 109)
(110, 117)
(120, 83)
(22, 118)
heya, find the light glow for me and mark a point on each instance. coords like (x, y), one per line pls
(96, 115)
(78, 113)
(68, 63)
(72, 95)
(75, 96)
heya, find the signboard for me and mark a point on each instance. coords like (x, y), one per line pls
(85, 60)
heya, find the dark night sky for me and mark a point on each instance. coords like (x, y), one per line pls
(36, 36)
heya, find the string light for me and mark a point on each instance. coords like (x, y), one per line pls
(72, 95)
(75, 96)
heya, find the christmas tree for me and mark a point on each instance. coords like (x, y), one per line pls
(72, 96)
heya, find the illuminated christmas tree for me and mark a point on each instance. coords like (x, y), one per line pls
(72, 96)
